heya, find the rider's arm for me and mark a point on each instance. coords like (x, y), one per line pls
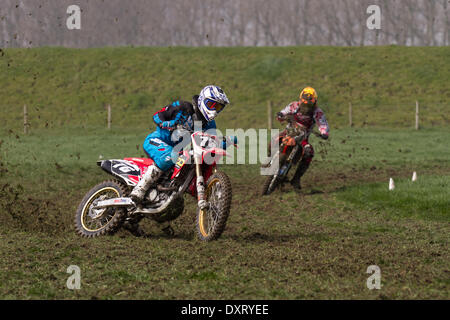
(322, 124)
(289, 109)
(169, 116)
(211, 127)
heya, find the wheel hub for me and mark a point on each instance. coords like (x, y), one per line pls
(96, 213)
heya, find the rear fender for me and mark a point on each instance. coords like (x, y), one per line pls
(124, 170)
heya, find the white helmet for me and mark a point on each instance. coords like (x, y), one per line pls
(211, 101)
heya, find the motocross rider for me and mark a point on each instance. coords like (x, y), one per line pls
(159, 144)
(306, 113)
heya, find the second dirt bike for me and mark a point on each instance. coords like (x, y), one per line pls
(289, 153)
(106, 206)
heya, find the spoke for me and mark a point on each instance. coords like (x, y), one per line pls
(212, 212)
(212, 217)
(215, 195)
(214, 209)
(210, 221)
(110, 216)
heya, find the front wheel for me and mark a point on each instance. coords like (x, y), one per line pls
(273, 181)
(92, 222)
(212, 220)
(269, 185)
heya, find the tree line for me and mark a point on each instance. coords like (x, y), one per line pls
(31, 23)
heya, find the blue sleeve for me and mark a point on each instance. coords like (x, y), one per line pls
(156, 119)
(168, 124)
(164, 124)
(211, 127)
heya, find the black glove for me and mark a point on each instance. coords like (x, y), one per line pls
(280, 115)
(324, 136)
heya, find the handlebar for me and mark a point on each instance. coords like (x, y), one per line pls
(183, 128)
(298, 129)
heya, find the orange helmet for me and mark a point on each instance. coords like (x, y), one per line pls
(308, 96)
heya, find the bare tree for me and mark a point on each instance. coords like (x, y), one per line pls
(446, 33)
(25, 23)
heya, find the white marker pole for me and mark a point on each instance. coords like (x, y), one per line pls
(417, 115)
(109, 116)
(391, 184)
(269, 115)
(414, 177)
(25, 119)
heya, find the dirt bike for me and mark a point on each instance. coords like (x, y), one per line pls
(289, 153)
(106, 206)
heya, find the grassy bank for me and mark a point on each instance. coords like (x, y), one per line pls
(70, 87)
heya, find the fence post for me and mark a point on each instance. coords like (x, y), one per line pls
(417, 115)
(269, 114)
(25, 119)
(109, 116)
(350, 115)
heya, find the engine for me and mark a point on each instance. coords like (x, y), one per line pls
(155, 196)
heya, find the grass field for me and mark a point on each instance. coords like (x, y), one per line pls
(316, 244)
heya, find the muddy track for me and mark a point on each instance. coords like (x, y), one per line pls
(20, 210)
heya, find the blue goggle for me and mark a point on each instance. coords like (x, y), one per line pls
(214, 105)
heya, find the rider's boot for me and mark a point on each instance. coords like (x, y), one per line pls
(132, 225)
(150, 177)
(167, 228)
(301, 169)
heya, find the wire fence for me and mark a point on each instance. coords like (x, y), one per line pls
(414, 115)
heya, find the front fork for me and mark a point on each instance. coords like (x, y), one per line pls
(202, 204)
(288, 164)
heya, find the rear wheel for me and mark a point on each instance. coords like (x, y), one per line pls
(212, 220)
(91, 222)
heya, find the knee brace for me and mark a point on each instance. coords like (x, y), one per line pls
(308, 152)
